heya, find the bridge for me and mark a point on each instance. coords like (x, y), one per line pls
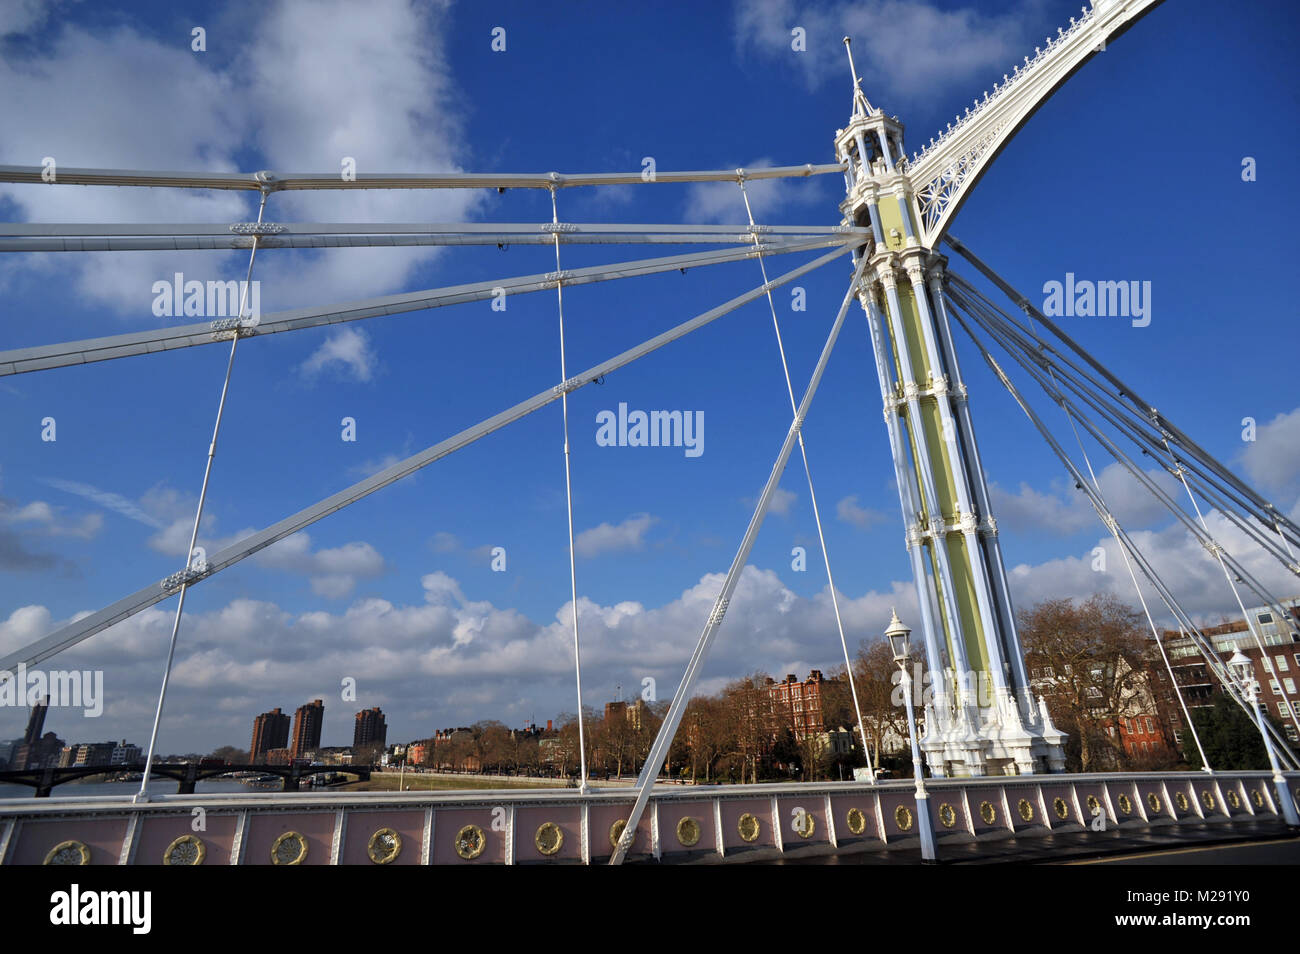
(186, 773)
(994, 758)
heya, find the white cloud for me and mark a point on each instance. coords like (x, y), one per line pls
(1066, 510)
(346, 350)
(387, 100)
(781, 502)
(333, 572)
(1192, 575)
(41, 518)
(612, 538)
(20, 16)
(108, 500)
(1272, 461)
(769, 198)
(900, 47)
(445, 659)
(851, 512)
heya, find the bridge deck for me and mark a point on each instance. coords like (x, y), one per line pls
(683, 823)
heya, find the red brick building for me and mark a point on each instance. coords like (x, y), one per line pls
(798, 705)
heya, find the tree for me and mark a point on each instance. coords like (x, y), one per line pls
(492, 745)
(747, 707)
(1090, 660)
(875, 675)
(1230, 737)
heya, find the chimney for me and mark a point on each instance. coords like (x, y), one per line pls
(549, 727)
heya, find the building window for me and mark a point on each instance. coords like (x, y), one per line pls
(1144, 747)
(1277, 690)
(1151, 726)
(1283, 709)
(1265, 617)
(1290, 686)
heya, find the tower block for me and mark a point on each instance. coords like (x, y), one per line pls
(981, 716)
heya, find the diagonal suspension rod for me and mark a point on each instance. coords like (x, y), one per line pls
(85, 627)
(568, 499)
(812, 496)
(44, 357)
(668, 730)
(198, 517)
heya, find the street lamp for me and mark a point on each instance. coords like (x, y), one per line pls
(897, 634)
(1244, 670)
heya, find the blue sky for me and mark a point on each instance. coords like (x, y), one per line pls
(1130, 172)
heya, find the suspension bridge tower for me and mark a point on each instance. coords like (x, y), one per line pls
(981, 714)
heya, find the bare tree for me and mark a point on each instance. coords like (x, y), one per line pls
(1089, 660)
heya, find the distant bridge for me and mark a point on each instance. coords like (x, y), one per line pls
(186, 773)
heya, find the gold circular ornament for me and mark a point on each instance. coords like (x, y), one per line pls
(470, 842)
(185, 850)
(549, 838)
(748, 826)
(903, 818)
(616, 832)
(688, 832)
(856, 821)
(1026, 810)
(1232, 798)
(947, 817)
(1153, 800)
(289, 849)
(1207, 799)
(384, 846)
(68, 853)
(1094, 806)
(1257, 798)
(1181, 801)
(1062, 810)
(1124, 804)
(988, 813)
(808, 826)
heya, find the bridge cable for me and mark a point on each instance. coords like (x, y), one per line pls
(1263, 509)
(568, 494)
(812, 494)
(1128, 565)
(84, 627)
(1201, 533)
(1133, 426)
(673, 718)
(1227, 678)
(198, 513)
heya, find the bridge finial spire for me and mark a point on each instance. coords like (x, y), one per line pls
(860, 103)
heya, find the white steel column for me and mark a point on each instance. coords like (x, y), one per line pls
(966, 518)
(931, 503)
(908, 491)
(989, 531)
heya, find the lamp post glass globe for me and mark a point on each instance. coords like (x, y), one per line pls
(898, 635)
(1243, 669)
